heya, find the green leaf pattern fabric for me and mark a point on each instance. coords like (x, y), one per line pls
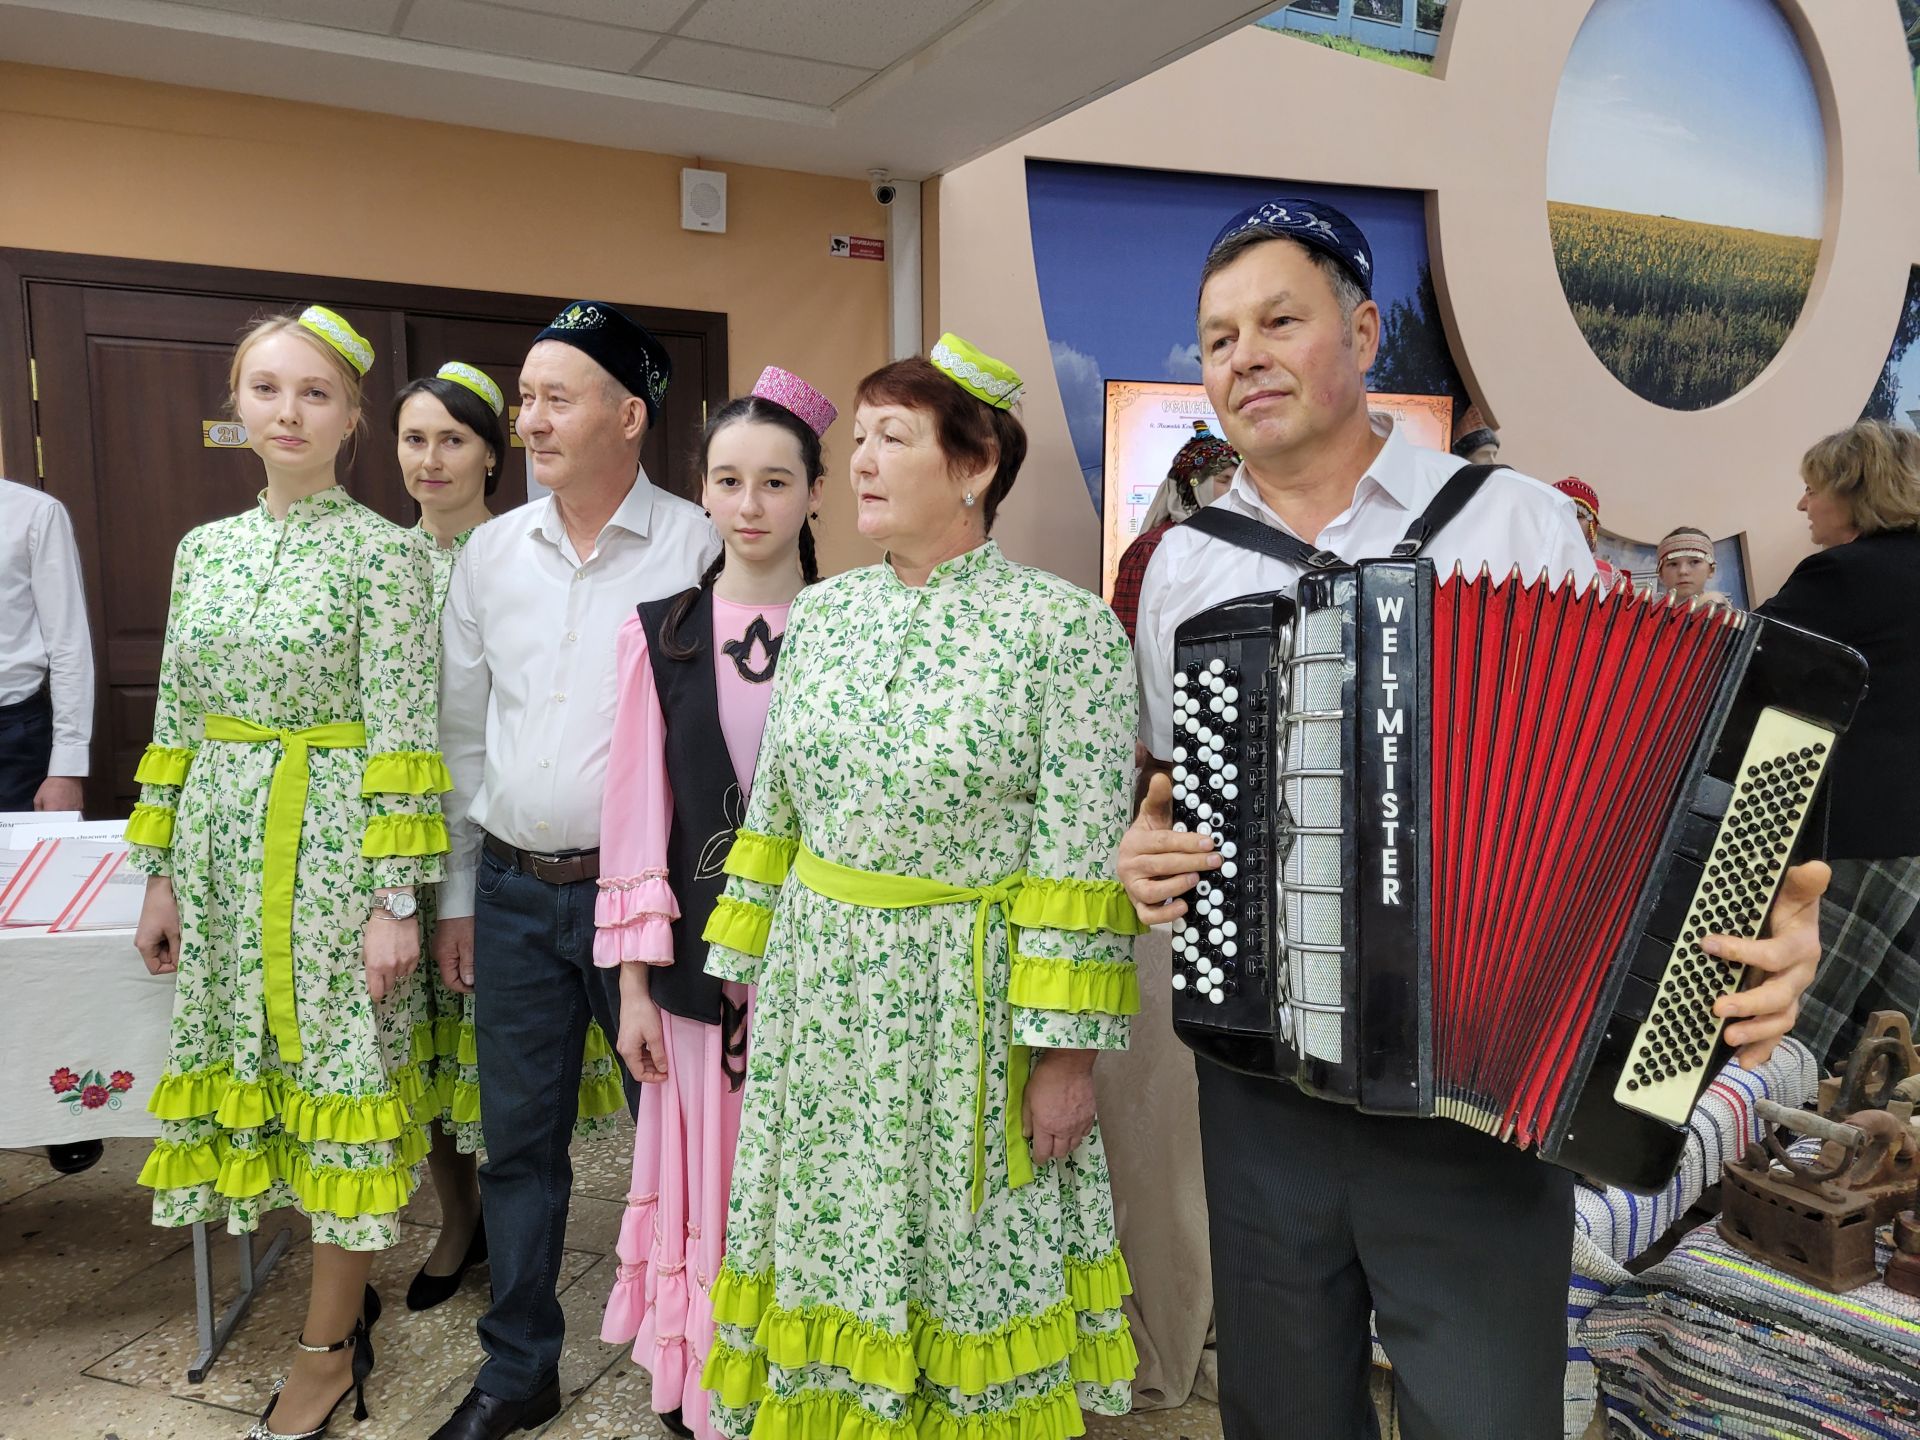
(964, 731)
(319, 618)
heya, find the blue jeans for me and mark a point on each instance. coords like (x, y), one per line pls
(535, 989)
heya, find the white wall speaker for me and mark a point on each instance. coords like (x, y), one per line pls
(703, 200)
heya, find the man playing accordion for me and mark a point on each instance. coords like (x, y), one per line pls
(1320, 1213)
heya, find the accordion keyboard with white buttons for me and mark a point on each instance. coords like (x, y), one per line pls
(1472, 835)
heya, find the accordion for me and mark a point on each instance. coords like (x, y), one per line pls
(1472, 834)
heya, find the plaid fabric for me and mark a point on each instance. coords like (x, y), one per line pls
(1711, 1342)
(1131, 571)
(1869, 955)
(1612, 1226)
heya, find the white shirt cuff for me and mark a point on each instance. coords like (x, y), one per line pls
(68, 760)
(454, 901)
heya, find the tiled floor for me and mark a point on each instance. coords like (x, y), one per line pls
(96, 1322)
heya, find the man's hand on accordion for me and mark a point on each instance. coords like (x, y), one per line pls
(1159, 864)
(1789, 955)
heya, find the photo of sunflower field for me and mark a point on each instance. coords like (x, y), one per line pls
(1683, 313)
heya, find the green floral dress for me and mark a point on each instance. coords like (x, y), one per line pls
(286, 1084)
(883, 1277)
(453, 1074)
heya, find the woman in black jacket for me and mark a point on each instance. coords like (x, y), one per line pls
(1862, 504)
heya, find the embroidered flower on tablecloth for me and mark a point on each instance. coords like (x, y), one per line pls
(92, 1090)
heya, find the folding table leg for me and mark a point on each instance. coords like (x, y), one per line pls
(253, 1274)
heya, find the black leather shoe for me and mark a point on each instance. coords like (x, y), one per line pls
(427, 1291)
(675, 1422)
(72, 1159)
(487, 1417)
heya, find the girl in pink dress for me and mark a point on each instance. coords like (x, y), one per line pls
(695, 676)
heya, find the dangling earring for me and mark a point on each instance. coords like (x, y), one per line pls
(969, 500)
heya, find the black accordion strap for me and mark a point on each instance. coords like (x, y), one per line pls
(1250, 534)
(1460, 488)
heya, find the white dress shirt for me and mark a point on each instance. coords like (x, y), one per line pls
(527, 674)
(1512, 521)
(43, 620)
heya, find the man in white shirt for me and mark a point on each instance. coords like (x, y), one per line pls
(46, 657)
(1319, 1213)
(46, 680)
(537, 600)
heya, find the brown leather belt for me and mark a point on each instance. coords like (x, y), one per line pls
(567, 868)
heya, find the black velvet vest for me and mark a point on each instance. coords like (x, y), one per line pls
(707, 808)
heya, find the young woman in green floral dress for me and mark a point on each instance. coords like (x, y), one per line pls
(451, 438)
(288, 812)
(921, 1236)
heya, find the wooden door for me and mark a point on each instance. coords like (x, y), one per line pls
(113, 386)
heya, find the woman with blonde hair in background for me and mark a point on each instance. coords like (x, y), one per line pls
(1862, 503)
(288, 812)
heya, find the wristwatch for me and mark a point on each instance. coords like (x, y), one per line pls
(396, 904)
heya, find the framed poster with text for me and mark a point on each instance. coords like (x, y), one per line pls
(1147, 421)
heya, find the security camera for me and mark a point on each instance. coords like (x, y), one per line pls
(882, 186)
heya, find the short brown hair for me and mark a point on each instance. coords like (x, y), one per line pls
(1347, 293)
(1874, 468)
(971, 433)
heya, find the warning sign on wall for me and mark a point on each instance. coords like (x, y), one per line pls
(857, 247)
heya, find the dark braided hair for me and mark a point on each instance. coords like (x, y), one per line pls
(756, 410)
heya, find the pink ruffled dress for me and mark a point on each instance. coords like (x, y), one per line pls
(673, 1236)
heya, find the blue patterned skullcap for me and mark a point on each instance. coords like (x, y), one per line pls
(1311, 223)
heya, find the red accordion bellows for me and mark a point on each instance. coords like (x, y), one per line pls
(1537, 693)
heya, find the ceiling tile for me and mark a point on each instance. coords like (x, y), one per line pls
(658, 15)
(870, 34)
(743, 72)
(468, 26)
(374, 16)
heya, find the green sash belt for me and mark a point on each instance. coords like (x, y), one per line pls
(286, 811)
(879, 891)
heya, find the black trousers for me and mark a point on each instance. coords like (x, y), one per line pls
(26, 749)
(535, 990)
(1318, 1214)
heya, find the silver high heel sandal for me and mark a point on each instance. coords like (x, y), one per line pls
(358, 1389)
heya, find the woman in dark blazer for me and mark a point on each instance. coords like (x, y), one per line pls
(1862, 503)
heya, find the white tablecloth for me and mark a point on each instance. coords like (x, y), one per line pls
(83, 1037)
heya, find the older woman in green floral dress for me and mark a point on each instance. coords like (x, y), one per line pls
(287, 813)
(921, 1236)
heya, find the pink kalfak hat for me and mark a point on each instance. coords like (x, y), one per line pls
(790, 392)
